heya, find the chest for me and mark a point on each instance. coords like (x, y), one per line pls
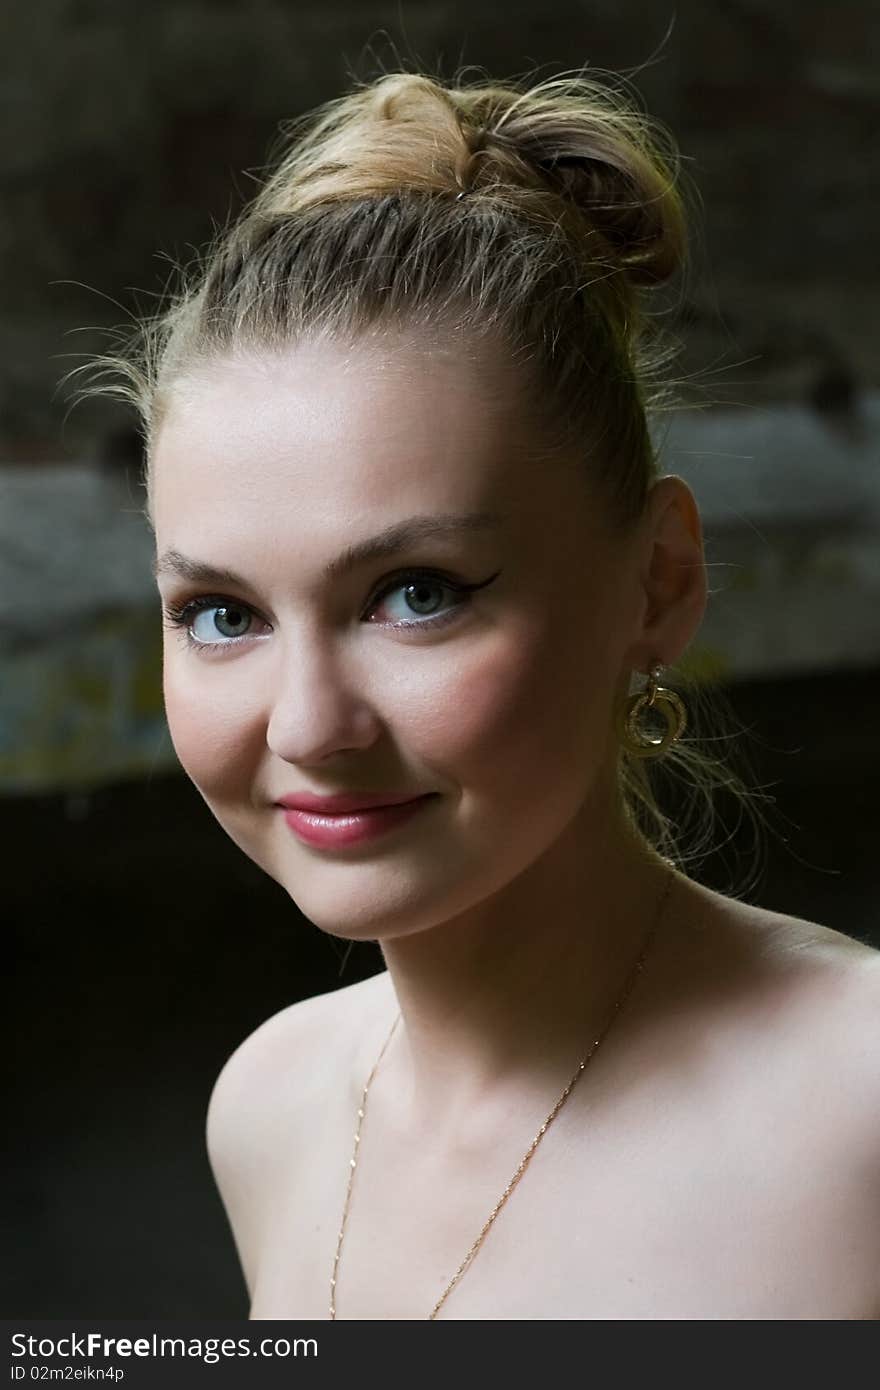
(650, 1216)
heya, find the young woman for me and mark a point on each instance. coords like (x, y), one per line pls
(422, 579)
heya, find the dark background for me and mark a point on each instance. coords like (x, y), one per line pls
(144, 945)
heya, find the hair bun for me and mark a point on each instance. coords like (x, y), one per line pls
(594, 147)
(638, 218)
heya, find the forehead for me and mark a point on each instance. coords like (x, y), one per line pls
(323, 427)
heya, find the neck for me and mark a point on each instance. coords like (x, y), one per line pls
(506, 998)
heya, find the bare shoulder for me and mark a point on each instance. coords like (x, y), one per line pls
(835, 1010)
(254, 1116)
(801, 1005)
(776, 1032)
(823, 1094)
(830, 982)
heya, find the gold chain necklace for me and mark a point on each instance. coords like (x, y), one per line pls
(627, 989)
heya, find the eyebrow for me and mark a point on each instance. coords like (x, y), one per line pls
(388, 542)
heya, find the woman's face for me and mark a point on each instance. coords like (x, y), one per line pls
(271, 467)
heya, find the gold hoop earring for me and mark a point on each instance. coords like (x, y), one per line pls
(654, 696)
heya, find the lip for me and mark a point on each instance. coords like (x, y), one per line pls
(323, 831)
(345, 801)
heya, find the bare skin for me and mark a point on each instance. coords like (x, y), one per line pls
(717, 1159)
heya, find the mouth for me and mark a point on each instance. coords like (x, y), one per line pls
(341, 828)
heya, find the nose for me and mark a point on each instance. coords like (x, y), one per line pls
(317, 704)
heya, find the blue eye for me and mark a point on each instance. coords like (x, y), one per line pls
(419, 588)
(227, 614)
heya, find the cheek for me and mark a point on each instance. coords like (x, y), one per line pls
(216, 732)
(519, 711)
(212, 730)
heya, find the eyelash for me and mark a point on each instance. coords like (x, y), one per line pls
(183, 615)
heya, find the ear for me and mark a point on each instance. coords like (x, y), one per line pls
(673, 586)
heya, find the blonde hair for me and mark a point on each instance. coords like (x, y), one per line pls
(574, 209)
